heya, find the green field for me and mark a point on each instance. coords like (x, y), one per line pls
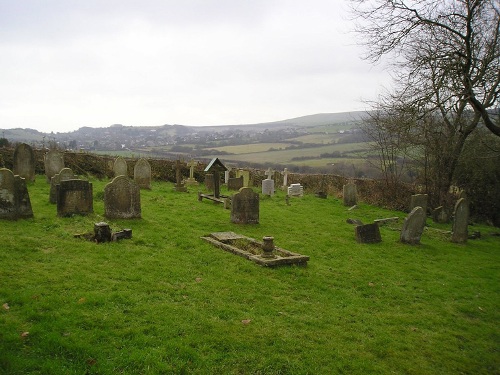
(250, 148)
(165, 302)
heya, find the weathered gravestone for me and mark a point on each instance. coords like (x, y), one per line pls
(246, 176)
(142, 174)
(14, 198)
(191, 180)
(53, 162)
(209, 182)
(74, 197)
(227, 175)
(179, 185)
(295, 190)
(460, 221)
(24, 162)
(419, 200)
(120, 167)
(63, 175)
(122, 199)
(440, 215)
(285, 177)
(245, 207)
(350, 194)
(368, 233)
(235, 183)
(413, 227)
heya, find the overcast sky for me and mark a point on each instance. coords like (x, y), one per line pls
(65, 64)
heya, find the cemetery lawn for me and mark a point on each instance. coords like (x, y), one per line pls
(167, 302)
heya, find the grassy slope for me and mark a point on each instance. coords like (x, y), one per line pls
(166, 302)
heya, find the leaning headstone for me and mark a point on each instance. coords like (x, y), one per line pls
(24, 162)
(460, 221)
(122, 199)
(53, 162)
(14, 198)
(350, 194)
(235, 183)
(368, 233)
(120, 167)
(245, 207)
(413, 227)
(74, 197)
(142, 174)
(63, 175)
(419, 200)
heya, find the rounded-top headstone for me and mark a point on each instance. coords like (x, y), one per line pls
(24, 162)
(120, 167)
(54, 162)
(142, 174)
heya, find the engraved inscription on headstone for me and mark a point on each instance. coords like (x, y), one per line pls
(74, 197)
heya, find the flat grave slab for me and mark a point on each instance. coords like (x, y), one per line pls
(253, 250)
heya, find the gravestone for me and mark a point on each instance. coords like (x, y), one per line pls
(63, 175)
(122, 199)
(24, 162)
(368, 233)
(245, 207)
(246, 176)
(440, 215)
(227, 175)
(14, 198)
(285, 177)
(268, 187)
(191, 181)
(460, 221)
(419, 200)
(142, 174)
(216, 167)
(350, 194)
(53, 162)
(209, 182)
(235, 183)
(74, 197)
(179, 186)
(413, 227)
(295, 190)
(120, 167)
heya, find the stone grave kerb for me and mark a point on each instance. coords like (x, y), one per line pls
(216, 167)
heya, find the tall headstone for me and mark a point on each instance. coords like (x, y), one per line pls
(216, 168)
(227, 175)
(245, 207)
(74, 197)
(285, 177)
(413, 226)
(142, 174)
(14, 198)
(24, 162)
(191, 180)
(368, 233)
(122, 199)
(460, 221)
(419, 200)
(63, 175)
(53, 162)
(120, 167)
(179, 185)
(350, 194)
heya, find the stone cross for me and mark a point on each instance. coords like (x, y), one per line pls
(192, 163)
(269, 173)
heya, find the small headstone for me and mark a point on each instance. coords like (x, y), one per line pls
(350, 194)
(440, 215)
(24, 162)
(102, 232)
(268, 187)
(122, 199)
(74, 197)
(295, 190)
(235, 183)
(368, 233)
(14, 198)
(246, 176)
(179, 185)
(460, 221)
(120, 167)
(191, 181)
(53, 162)
(413, 226)
(419, 200)
(245, 207)
(63, 175)
(142, 174)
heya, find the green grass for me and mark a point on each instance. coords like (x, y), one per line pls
(250, 148)
(167, 302)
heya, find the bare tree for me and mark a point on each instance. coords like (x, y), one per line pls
(445, 56)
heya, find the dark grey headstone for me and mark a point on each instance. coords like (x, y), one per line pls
(440, 215)
(63, 175)
(14, 198)
(122, 199)
(74, 197)
(368, 233)
(245, 207)
(419, 200)
(460, 221)
(413, 226)
(142, 174)
(209, 181)
(24, 162)
(235, 183)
